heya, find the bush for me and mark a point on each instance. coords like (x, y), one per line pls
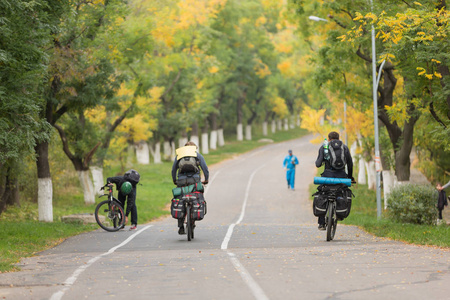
(414, 204)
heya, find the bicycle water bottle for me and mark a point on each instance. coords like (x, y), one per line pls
(325, 150)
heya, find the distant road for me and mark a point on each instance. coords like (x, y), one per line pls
(259, 240)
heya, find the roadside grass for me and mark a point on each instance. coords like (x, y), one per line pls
(22, 235)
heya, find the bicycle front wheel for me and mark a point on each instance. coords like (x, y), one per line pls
(331, 221)
(110, 215)
(190, 233)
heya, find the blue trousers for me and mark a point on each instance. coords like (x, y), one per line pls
(290, 176)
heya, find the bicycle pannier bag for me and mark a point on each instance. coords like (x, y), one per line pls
(132, 176)
(199, 207)
(337, 155)
(177, 209)
(319, 205)
(341, 207)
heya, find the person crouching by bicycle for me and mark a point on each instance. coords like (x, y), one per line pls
(335, 155)
(126, 185)
(186, 170)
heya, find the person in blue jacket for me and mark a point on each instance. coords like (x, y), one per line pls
(289, 163)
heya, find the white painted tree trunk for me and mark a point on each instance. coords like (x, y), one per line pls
(97, 177)
(371, 174)
(388, 184)
(213, 140)
(248, 132)
(196, 140)
(353, 148)
(291, 123)
(239, 132)
(182, 141)
(142, 153)
(167, 150)
(361, 171)
(220, 137)
(205, 144)
(156, 153)
(274, 126)
(45, 197)
(286, 124)
(172, 151)
(264, 128)
(279, 125)
(88, 188)
(298, 121)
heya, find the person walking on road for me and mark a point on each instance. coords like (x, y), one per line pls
(441, 202)
(289, 163)
(335, 161)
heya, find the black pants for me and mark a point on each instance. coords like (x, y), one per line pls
(130, 201)
(440, 213)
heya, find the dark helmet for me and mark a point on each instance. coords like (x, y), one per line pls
(126, 188)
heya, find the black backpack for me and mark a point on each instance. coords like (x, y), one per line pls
(337, 155)
(188, 164)
(132, 176)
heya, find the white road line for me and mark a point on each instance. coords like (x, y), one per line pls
(71, 280)
(256, 290)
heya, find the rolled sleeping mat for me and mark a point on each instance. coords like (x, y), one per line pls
(329, 180)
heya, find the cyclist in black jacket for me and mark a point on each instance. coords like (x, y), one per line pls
(122, 197)
(329, 170)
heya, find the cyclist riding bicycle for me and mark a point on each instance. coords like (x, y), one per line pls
(126, 185)
(186, 170)
(335, 161)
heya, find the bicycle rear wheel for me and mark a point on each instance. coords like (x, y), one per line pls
(190, 233)
(331, 221)
(110, 215)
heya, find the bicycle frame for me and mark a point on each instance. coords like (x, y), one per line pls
(114, 218)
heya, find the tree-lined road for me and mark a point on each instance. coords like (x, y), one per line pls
(259, 240)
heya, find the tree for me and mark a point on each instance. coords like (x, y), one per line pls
(22, 65)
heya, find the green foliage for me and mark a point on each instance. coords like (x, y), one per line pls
(413, 204)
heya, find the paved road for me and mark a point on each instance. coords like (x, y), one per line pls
(259, 240)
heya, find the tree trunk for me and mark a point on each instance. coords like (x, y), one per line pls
(248, 132)
(402, 157)
(142, 153)
(205, 143)
(86, 184)
(167, 150)
(264, 128)
(286, 124)
(45, 194)
(279, 124)
(388, 184)
(371, 174)
(239, 132)
(220, 137)
(156, 153)
(213, 140)
(194, 135)
(361, 171)
(172, 151)
(45, 185)
(274, 126)
(183, 139)
(97, 177)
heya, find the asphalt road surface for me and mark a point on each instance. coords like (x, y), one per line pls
(259, 240)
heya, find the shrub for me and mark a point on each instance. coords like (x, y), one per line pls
(414, 204)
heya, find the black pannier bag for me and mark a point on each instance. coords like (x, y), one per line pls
(177, 208)
(199, 207)
(344, 204)
(132, 176)
(320, 203)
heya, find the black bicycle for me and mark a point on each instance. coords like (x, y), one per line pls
(109, 213)
(188, 200)
(334, 200)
